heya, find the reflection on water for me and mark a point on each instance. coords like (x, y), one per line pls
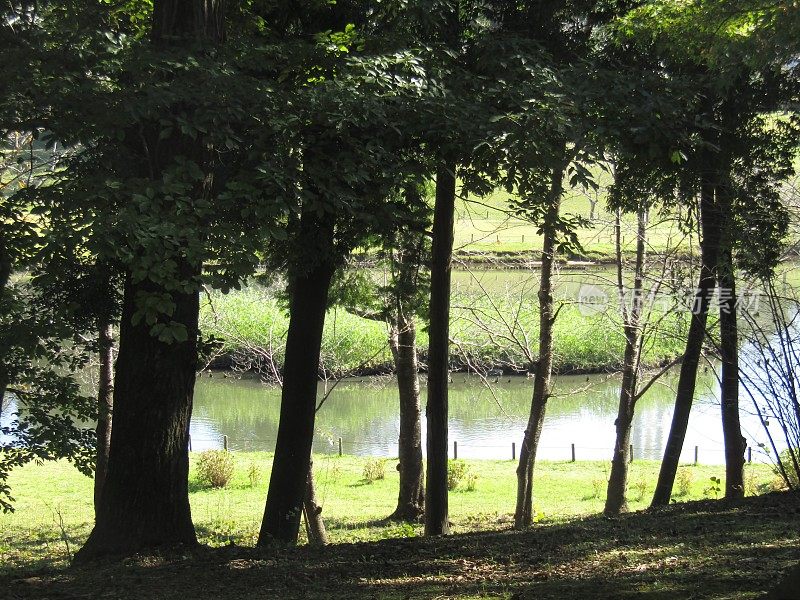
(364, 413)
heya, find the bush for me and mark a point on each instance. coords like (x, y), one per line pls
(684, 479)
(374, 469)
(788, 465)
(215, 468)
(598, 484)
(254, 474)
(458, 471)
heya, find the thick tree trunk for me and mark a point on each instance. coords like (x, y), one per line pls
(411, 497)
(105, 405)
(145, 496)
(315, 526)
(709, 250)
(436, 512)
(523, 515)
(618, 480)
(729, 349)
(290, 467)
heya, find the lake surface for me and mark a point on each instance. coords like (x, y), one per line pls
(484, 423)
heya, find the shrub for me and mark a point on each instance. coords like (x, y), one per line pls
(788, 464)
(715, 488)
(215, 467)
(457, 472)
(684, 479)
(254, 474)
(374, 469)
(597, 486)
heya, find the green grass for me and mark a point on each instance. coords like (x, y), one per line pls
(54, 502)
(484, 225)
(252, 323)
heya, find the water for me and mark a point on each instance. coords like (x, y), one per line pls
(484, 423)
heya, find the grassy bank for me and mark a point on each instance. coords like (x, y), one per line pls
(253, 327)
(54, 502)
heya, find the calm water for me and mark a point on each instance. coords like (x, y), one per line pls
(364, 413)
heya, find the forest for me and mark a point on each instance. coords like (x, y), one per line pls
(366, 252)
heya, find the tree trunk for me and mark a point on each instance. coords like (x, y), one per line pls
(436, 517)
(315, 526)
(709, 250)
(729, 349)
(105, 404)
(5, 274)
(145, 496)
(411, 497)
(523, 515)
(618, 480)
(289, 478)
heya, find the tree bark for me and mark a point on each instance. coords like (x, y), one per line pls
(144, 501)
(709, 251)
(145, 497)
(729, 353)
(436, 510)
(411, 497)
(290, 467)
(523, 515)
(5, 274)
(105, 405)
(616, 502)
(315, 526)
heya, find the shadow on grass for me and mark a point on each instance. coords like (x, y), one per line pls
(700, 549)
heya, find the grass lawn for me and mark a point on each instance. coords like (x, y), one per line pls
(54, 502)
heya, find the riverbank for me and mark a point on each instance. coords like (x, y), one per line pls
(496, 333)
(54, 510)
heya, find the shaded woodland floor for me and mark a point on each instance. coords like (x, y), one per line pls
(702, 549)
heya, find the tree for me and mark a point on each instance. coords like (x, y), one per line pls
(397, 303)
(144, 500)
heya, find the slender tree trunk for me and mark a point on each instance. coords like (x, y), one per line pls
(729, 347)
(144, 501)
(5, 274)
(709, 250)
(289, 478)
(105, 404)
(411, 497)
(618, 480)
(145, 497)
(523, 515)
(436, 517)
(315, 526)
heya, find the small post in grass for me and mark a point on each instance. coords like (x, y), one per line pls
(190, 442)
(749, 454)
(455, 450)
(573, 452)
(340, 446)
(513, 451)
(630, 458)
(225, 442)
(696, 455)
